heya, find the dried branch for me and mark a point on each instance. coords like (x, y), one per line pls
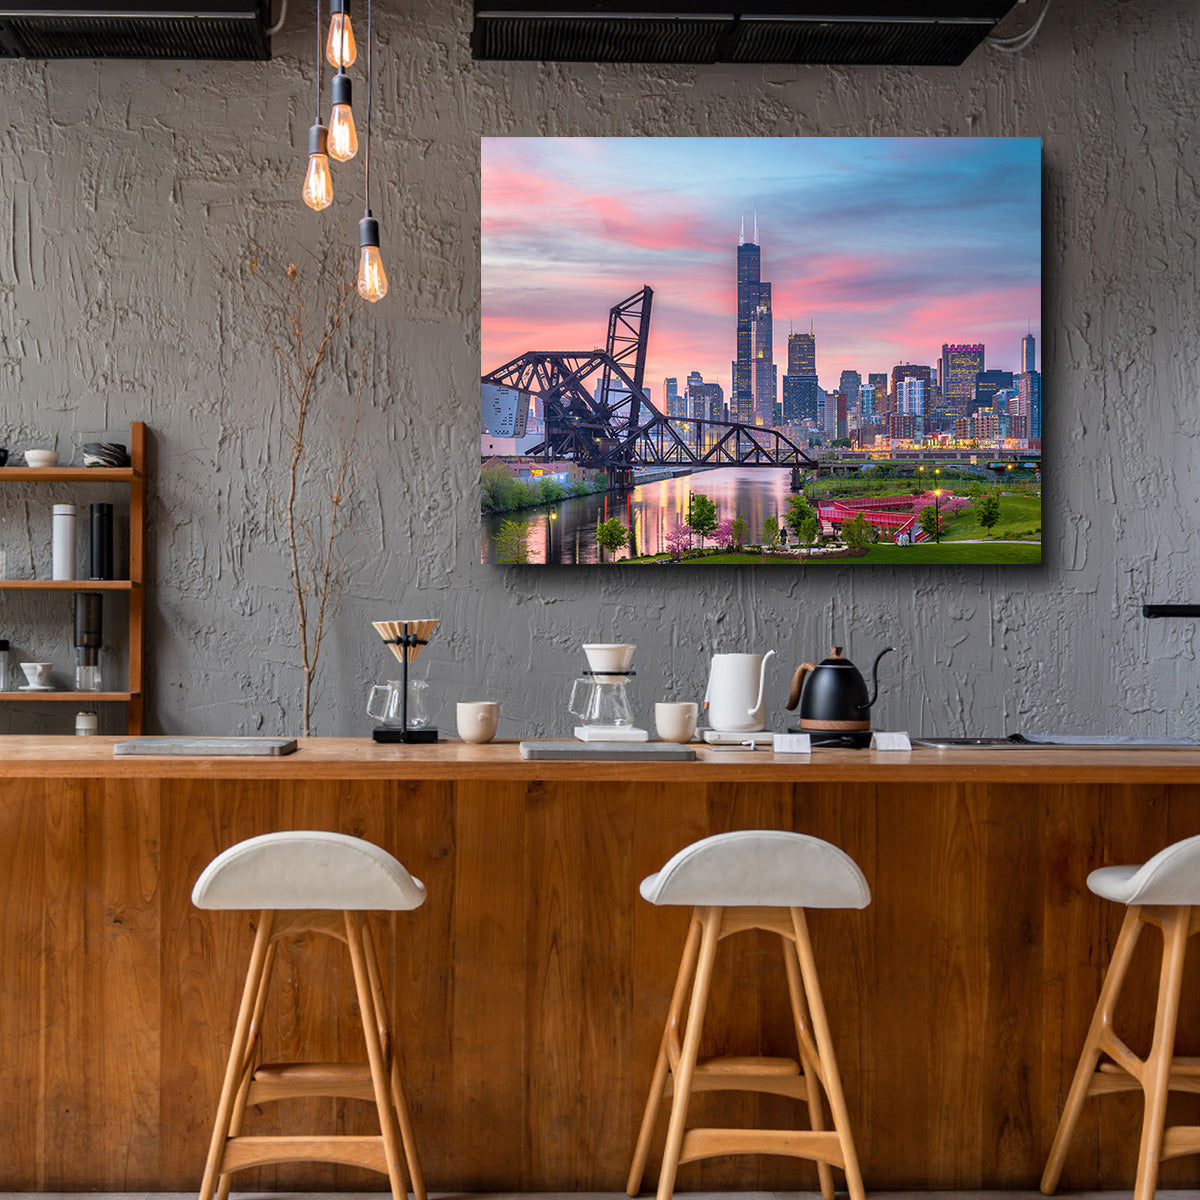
(312, 307)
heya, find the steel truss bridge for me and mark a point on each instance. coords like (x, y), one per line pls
(613, 427)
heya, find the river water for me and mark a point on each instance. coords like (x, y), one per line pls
(650, 510)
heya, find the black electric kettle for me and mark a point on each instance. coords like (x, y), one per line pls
(833, 695)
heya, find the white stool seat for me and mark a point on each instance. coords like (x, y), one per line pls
(770, 868)
(307, 869)
(1171, 877)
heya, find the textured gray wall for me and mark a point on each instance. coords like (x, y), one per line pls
(120, 180)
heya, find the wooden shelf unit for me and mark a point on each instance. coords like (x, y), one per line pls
(135, 477)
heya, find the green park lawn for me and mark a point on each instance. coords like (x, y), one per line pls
(882, 554)
(1020, 515)
(946, 553)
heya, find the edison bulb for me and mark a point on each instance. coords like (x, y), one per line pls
(343, 137)
(372, 279)
(318, 183)
(340, 50)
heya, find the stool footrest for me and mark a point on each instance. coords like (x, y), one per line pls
(796, 1143)
(351, 1151)
(1110, 1078)
(287, 1081)
(1179, 1140)
(731, 1073)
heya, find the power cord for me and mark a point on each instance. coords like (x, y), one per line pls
(1020, 41)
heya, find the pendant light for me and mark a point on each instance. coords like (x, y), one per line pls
(318, 184)
(343, 137)
(372, 279)
(340, 50)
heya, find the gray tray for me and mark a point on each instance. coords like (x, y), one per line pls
(207, 747)
(610, 751)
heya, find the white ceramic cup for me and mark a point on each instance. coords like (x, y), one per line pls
(675, 721)
(477, 720)
(38, 674)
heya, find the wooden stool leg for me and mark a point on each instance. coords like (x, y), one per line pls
(1110, 992)
(391, 1054)
(816, 1117)
(379, 1079)
(239, 1106)
(829, 1068)
(1157, 1071)
(682, 1091)
(687, 966)
(237, 1055)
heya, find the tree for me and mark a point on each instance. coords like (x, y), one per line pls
(798, 512)
(857, 533)
(770, 534)
(702, 515)
(975, 491)
(512, 542)
(842, 442)
(807, 531)
(740, 531)
(987, 511)
(723, 534)
(679, 541)
(930, 525)
(611, 535)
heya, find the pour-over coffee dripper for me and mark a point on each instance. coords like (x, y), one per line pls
(406, 639)
(600, 697)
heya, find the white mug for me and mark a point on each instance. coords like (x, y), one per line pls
(675, 721)
(477, 720)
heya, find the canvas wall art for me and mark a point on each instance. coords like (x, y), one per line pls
(786, 351)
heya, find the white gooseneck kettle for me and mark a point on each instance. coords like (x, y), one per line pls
(734, 698)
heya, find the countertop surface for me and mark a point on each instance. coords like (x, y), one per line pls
(360, 758)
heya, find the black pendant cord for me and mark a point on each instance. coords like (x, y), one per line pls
(319, 62)
(367, 152)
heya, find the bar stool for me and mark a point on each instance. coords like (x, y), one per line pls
(311, 882)
(1164, 892)
(751, 879)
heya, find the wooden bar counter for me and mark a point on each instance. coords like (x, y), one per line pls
(530, 989)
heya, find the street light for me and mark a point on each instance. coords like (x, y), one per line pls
(937, 517)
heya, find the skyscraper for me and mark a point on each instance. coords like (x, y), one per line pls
(671, 398)
(802, 354)
(958, 367)
(879, 381)
(1029, 386)
(1028, 353)
(800, 388)
(850, 385)
(762, 366)
(753, 385)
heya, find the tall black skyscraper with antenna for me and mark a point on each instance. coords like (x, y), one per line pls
(753, 369)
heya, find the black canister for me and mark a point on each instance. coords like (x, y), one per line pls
(102, 542)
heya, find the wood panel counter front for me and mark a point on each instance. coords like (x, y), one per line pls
(530, 989)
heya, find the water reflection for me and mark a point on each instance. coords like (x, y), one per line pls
(649, 511)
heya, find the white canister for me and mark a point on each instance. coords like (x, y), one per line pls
(86, 724)
(62, 554)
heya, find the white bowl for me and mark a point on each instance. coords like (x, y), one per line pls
(41, 458)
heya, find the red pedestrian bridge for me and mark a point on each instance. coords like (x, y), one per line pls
(888, 514)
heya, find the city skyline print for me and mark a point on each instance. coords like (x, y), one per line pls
(785, 351)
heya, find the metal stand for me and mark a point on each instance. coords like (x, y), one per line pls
(388, 733)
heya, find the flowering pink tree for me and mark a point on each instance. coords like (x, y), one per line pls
(947, 504)
(723, 534)
(679, 541)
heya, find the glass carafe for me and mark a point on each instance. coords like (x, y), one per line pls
(596, 702)
(384, 703)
